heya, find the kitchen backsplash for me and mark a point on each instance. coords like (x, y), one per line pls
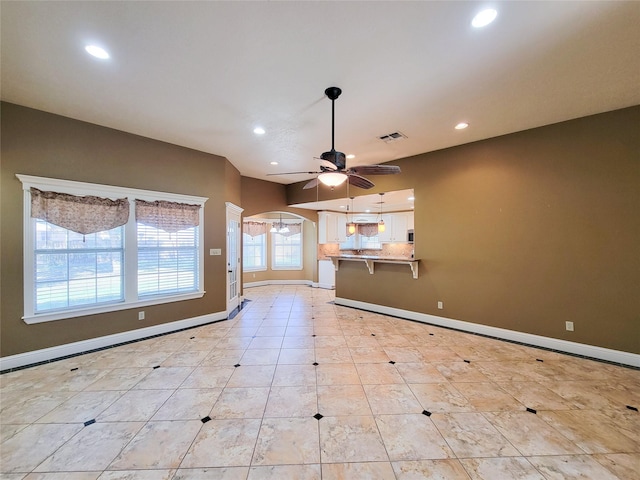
(388, 250)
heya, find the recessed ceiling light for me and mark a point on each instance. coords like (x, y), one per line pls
(343, 206)
(461, 126)
(484, 18)
(351, 155)
(273, 163)
(259, 131)
(97, 52)
(411, 199)
(368, 210)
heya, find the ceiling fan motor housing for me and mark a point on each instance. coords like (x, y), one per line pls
(337, 158)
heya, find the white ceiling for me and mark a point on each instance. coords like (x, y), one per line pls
(395, 201)
(204, 74)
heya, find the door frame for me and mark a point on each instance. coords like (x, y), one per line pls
(233, 213)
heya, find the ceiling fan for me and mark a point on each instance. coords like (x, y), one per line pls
(333, 171)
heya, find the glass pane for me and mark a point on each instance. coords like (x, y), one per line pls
(68, 265)
(167, 262)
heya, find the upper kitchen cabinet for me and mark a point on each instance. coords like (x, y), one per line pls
(332, 227)
(396, 226)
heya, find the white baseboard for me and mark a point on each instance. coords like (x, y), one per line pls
(59, 351)
(592, 351)
(328, 286)
(263, 283)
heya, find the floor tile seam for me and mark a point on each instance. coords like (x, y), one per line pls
(468, 397)
(446, 440)
(547, 423)
(78, 433)
(608, 422)
(186, 451)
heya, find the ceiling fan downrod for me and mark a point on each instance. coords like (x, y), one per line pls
(333, 93)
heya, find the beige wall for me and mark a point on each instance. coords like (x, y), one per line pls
(309, 259)
(522, 232)
(41, 144)
(260, 197)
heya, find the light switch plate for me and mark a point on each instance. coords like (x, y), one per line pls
(215, 251)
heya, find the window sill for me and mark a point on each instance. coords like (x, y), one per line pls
(286, 268)
(63, 315)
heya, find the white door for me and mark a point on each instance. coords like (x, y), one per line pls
(234, 261)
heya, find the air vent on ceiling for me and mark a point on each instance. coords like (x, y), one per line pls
(392, 137)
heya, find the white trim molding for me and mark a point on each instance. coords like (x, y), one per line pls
(592, 351)
(263, 283)
(75, 348)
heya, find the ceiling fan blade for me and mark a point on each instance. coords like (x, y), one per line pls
(293, 173)
(312, 184)
(326, 164)
(360, 182)
(375, 169)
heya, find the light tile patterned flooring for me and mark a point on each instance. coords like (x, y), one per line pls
(240, 399)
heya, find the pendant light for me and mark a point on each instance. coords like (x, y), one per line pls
(381, 226)
(282, 227)
(351, 227)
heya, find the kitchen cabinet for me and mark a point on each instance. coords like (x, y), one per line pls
(396, 226)
(326, 274)
(332, 227)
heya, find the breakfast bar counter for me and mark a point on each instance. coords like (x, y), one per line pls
(371, 260)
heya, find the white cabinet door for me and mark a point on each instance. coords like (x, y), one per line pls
(341, 228)
(326, 274)
(396, 225)
(400, 225)
(385, 237)
(332, 227)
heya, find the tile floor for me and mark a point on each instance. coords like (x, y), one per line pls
(296, 388)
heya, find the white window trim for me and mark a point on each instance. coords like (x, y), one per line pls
(254, 269)
(273, 248)
(131, 262)
(266, 249)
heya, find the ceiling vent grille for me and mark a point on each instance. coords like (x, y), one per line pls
(392, 137)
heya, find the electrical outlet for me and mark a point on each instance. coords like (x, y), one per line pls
(141, 315)
(440, 306)
(569, 326)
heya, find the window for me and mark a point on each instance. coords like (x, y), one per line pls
(96, 248)
(254, 246)
(287, 249)
(74, 270)
(365, 238)
(167, 262)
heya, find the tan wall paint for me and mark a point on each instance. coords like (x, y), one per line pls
(261, 197)
(523, 232)
(309, 260)
(41, 144)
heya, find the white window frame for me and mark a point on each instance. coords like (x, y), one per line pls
(273, 249)
(357, 241)
(130, 246)
(260, 268)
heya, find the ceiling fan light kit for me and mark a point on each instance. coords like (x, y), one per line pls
(333, 171)
(332, 179)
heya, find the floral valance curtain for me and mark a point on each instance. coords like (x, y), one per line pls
(81, 214)
(168, 216)
(253, 229)
(294, 229)
(368, 229)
